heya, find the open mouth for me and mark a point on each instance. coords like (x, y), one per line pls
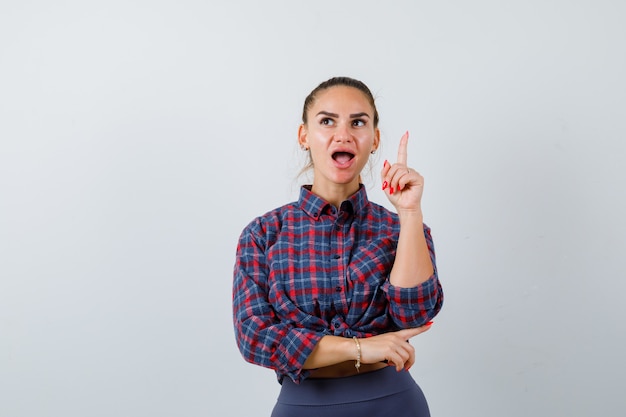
(343, 157)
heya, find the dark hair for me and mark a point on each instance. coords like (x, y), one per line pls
(334, 82)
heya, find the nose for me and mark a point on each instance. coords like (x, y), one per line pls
(343, 134)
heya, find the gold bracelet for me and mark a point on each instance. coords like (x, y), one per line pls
(357, 364)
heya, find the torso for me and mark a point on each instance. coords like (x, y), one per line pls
(344, 369)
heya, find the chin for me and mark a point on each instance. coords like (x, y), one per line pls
(347, 181)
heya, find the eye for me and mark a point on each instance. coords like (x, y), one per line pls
(358, 123)
(327, 121)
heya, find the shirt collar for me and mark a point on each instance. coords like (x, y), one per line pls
(314, 206)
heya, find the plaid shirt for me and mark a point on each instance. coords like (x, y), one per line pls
(306, 269)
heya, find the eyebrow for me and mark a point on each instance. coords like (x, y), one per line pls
(352, 116)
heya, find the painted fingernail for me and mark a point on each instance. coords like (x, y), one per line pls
(385, 163)
(390, 190)
(430, 323)
(385, 185)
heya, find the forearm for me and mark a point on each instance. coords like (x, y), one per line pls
(331, 350)
(412, 265)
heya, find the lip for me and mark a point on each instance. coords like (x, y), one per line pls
(346, 165)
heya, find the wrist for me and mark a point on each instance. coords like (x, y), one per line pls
(411, 215)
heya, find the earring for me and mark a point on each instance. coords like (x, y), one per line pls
(304, 148)
(373, 152)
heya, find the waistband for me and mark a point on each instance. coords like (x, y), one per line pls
(360, 387)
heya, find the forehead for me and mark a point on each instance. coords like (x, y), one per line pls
(341, 98)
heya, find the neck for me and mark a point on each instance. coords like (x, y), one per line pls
(335, 194)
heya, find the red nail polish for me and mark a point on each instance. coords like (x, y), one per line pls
(430, 323)
(385, 163)
(390, 190)
(385, 185)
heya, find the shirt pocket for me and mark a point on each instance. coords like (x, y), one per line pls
(368, 307)
(367, 273)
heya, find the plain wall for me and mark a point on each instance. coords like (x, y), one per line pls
(138, 138)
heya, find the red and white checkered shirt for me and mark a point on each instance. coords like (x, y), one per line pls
(306, 270)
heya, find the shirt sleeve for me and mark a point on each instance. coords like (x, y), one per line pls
(414, 307)
(262, 338)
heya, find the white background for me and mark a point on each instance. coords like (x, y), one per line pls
(137, 139)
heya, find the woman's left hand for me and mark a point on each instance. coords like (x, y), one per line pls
(402, 185)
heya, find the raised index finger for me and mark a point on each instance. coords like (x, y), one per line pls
(402, 154)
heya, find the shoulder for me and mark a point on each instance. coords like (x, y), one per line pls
(381, 215)
(382, 211)
(269, 223)
(387, 216)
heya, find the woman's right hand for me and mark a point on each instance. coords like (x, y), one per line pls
(393, 347)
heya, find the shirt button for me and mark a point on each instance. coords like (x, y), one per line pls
(336, 256)
(336, 325)
(338, 289)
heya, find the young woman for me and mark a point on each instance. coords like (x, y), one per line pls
(329, 289)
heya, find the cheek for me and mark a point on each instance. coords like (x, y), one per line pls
(367, 141)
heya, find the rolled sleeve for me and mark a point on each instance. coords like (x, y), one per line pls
(413, 307)
(262, 338)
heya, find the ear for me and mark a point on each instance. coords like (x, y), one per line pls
(376, 140)
(302, 137)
